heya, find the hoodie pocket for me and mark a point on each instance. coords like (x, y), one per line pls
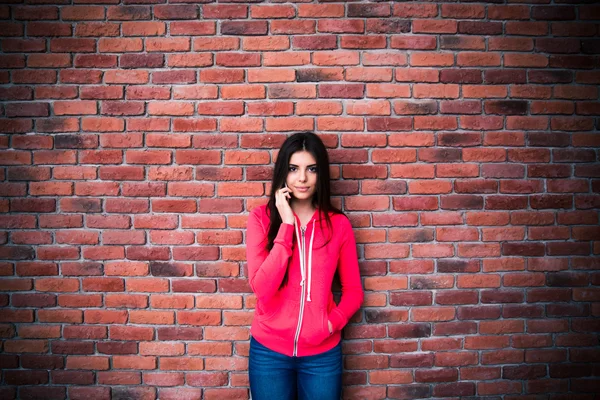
(281, 321)
(314, 327)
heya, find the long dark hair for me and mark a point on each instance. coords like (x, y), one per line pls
(302, 141)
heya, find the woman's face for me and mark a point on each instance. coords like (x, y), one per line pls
(302, 175)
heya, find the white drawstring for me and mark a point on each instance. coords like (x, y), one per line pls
(312, 235)
(301, 253)
(302, 261)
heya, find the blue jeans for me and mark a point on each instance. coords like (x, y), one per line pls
(275, 376)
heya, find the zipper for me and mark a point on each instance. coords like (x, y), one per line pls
(301, 312)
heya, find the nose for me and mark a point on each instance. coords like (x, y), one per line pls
(302, 175)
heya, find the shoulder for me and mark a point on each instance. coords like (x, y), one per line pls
(259, 214)
(340, 222)
(260, 211)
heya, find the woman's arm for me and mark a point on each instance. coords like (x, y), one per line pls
(267, 269)
(352, 291)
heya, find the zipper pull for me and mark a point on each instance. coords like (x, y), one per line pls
(302, 230)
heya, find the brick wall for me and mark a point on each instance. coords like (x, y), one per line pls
(136, 136)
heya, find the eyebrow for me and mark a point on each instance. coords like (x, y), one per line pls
(311, 165)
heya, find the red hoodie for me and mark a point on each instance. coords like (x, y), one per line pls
(293, 320)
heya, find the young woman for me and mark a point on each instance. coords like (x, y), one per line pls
(295, 244)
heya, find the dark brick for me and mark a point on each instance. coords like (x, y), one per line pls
(25, 377)
(388, 26)
(409, 392)
(385, 316)
(179, 333)
(461, 202)
(523, 249)
(553, 13)
(317, 75)
(553, 139)
(549, 76)
(479, 312)
(548, 171)
(454, 389)
(75, 141)
(316, 42)
(410, 298)
(412, 360)
(172, 11)
(458, 42)
(506, 107)
(126, 393)
(460, 107)
(551, 201)
(457, 266)
(72, 347)
(462, 139)
(567, 279)
(456, 297)
(480, 28)
(505, 76)
(42, 393)
(82, 205)
(17, 253)
(570, 370)
(346, 91)
(244, 28)
(369, 10)
(387, 124)
(574, 61)
(72, 377)
(522, 311)
(415, 108)
(567, 310)
(557, 45)
(439, 155)
(502, 296)
(523, 372)
(38, 300)
(31, 361)
(409, 331)
(117, 348)
(436, 375)
(460, 76)
(129, 13)
(142, 60)
(455, 328)
(169, 269)
(9, 361)
(589, 46)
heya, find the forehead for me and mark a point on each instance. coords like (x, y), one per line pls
(302, 158)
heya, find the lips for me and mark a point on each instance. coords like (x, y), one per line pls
(302, 189)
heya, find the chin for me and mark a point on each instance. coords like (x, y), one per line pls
(303, 196)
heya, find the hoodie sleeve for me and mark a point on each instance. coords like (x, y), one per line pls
(266, 269)
(352, 291)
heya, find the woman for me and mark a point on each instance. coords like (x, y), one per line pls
(295, 244)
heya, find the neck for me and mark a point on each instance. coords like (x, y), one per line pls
(303, 206)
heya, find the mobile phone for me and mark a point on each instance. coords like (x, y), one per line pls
(290, 192)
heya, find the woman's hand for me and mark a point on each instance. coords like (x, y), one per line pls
(330, 327)
(282, 197)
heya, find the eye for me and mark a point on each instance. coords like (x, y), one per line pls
(291, 169)
(313, 169)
